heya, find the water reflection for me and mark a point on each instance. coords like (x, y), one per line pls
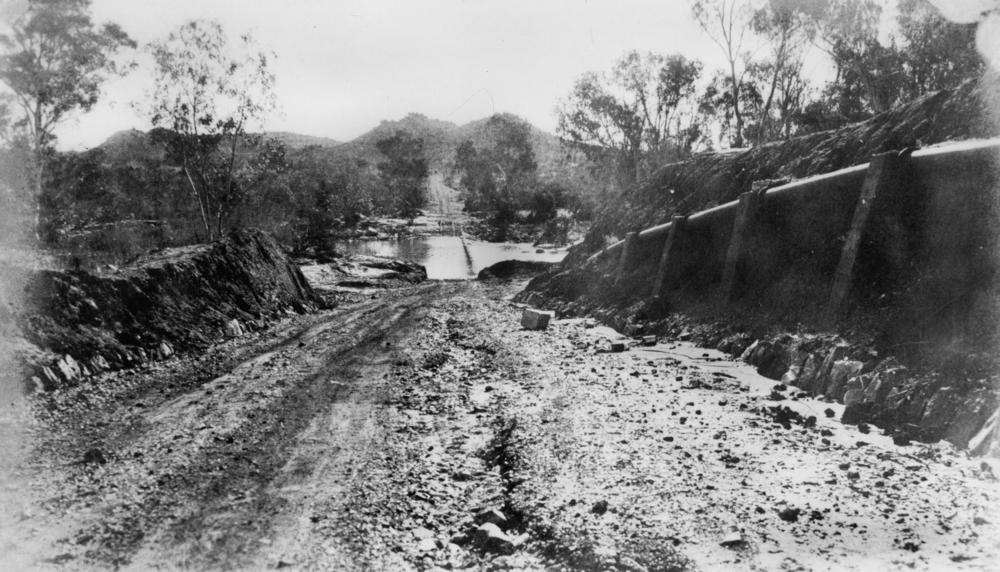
(449, 257)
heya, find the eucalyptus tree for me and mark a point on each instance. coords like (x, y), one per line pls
(54, 61)
(404, 173)
(209, 95)
(498, 172)
(729, 24)
(643, 108)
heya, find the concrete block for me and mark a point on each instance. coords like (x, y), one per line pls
(532, 319)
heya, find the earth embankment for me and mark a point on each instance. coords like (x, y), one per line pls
(175, 300)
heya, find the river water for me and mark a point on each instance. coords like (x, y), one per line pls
(449, 257)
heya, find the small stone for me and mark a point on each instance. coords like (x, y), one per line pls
(492, 539)
(492, 516)
(234, 329)
(164, 350)
(427, 545)
(789, 514)
(733, 538)
(519, 540)
(94, 457)
(600, 507)
(422, 533)
(829, 412)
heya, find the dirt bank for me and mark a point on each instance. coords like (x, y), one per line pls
(176, 300)
(425, 430)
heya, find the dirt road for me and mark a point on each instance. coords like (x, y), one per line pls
(425, 429)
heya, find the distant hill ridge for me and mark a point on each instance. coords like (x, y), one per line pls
(441, 139)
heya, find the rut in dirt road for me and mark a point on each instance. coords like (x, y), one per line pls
(426, 430)
(193, 469)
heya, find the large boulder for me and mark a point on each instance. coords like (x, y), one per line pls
(514, 269)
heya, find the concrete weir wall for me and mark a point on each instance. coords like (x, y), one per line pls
(904, 248)
(922, 242)
(178, 300)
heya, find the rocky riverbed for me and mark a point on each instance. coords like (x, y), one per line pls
(422, 428)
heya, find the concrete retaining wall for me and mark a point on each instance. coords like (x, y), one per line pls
(912, 268)
(927, 255)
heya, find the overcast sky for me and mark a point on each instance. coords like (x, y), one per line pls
(345, 65)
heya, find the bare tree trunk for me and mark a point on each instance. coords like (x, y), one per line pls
(779, 63)
(201, 202)
(738, 139)
(37, 172)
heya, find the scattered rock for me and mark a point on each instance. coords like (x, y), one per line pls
(94, 457)
(600, 507)
(427, 545)
(492, 516)
(422, 533)
(789, 514)
(733, 538)
(234, 329)
(840, 373)
(491, 538)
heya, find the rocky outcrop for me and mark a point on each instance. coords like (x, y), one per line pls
(359, 271)
(908, 404)
(175, 300)
(512, 269)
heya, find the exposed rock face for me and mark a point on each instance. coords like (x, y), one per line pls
(176, 300)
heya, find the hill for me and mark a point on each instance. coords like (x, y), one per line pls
(133, 143)
(442, 138)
